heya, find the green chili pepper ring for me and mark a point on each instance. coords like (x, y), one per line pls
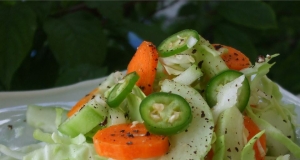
(121, 90)
(223, 78)
(178, 43)
(165, 113)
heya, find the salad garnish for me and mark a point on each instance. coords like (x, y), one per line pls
(187, 99)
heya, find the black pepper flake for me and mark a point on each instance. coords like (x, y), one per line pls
(147, 134)
(194, 51)
(289, 136)
(81, 107)
(228, 150)
(126, 115)
(236, 149)
(130, 135)
(142, 87)
(122, 131)
(104, 122)
(211, 127)
(136, 131)
(129, 143)
(10, 127)
(200, 64)
(202, 114)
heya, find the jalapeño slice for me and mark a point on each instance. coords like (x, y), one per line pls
(220, 80)
(122, 89)
(178, 43)
(165, 113)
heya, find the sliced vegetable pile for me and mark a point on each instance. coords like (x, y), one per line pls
(186, 99)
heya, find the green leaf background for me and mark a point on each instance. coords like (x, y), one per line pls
(18, 24)
(56, 43)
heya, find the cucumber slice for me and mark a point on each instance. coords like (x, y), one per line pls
(178, 43)
(91, 115)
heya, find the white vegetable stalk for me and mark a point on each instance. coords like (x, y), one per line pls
(191, 42)
(176, 64)
(189, 76)
(227, 96)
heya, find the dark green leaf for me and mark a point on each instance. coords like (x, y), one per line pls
(148, 32)
(254, 14)
(68, 3)
(76, 38)
(291, 22)
(42, 9)
(9, 2)
(189, 9)
(80, 73)
(108, 9)
(228, 35)
(38, 71)
(287, 72)
(123, 51)
(18, 24)
(145, 9)
(285, 7)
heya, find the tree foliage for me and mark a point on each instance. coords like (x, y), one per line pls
(55, 43)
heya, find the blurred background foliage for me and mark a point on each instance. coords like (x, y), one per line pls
(54, 43)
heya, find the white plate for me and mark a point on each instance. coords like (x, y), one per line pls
(13, 107)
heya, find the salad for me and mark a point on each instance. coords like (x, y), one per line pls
(185, 99)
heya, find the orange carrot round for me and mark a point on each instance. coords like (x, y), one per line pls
(253, 130)
(144, 62)
(128, 141)
(82, 102)
(233, 58)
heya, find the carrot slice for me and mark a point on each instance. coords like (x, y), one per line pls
(234, 59)
(82, 102)
(253, 130)
(144, 62)
(128, 141)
